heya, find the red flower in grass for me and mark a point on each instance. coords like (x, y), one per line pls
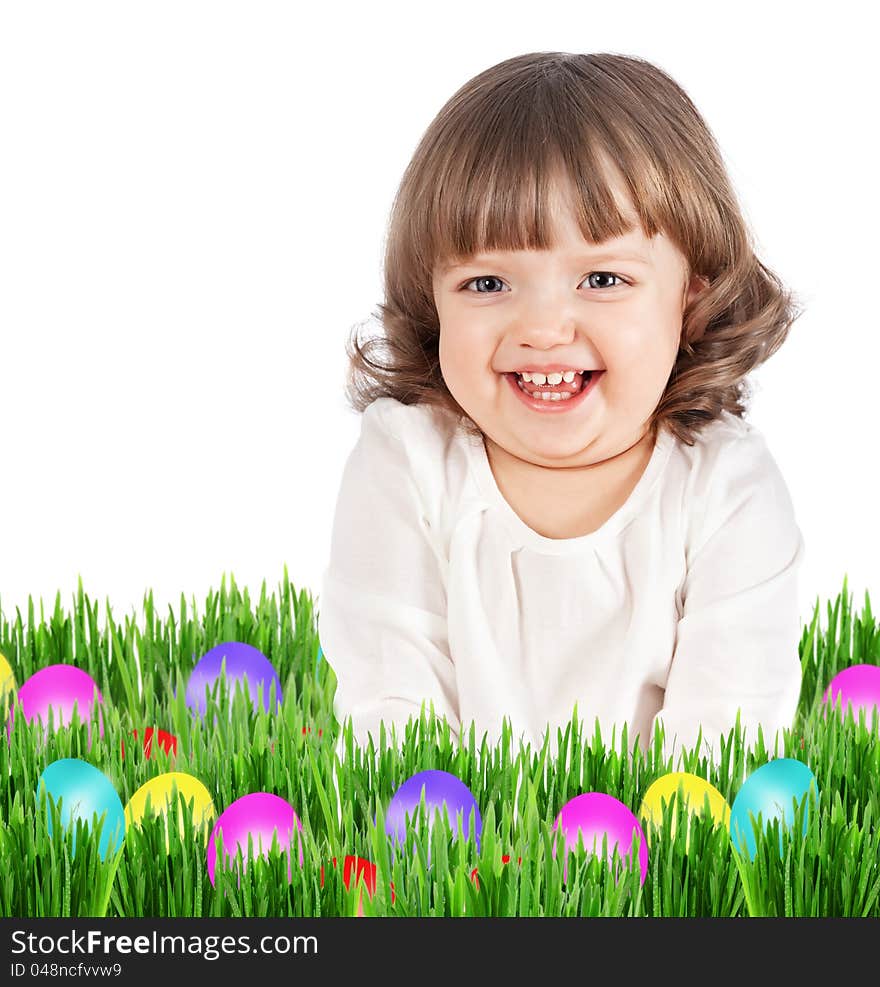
(167, 741)
(305, 729)
(352, 870)
(504, 860)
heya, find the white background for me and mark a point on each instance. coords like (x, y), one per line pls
(193, 203)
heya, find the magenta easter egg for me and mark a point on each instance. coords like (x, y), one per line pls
(58, 687)
(857, 686)
(241, 661)
(596, 815)
(258, 816)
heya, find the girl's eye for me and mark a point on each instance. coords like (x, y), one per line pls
(605, 274)
(491, 277)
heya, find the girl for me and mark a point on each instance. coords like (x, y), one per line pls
(555, 507)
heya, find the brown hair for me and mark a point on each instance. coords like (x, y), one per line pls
(480, 179)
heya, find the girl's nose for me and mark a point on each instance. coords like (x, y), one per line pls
(544, 332)
(546, 318)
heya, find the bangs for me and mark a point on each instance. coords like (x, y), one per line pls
(500, 172)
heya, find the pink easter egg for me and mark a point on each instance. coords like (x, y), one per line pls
(259, 816)
(596, 815)
(859, 686)
(58, 687)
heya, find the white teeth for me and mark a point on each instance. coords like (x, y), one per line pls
(554, 378)
(546, 395)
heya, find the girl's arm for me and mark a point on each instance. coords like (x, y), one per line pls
(737, 640)
(382, 621)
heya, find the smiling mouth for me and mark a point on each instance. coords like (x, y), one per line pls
(563, 390)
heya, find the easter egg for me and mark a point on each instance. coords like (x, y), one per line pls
(441, 789)
(160, 792)
(242, 662)
(693, 790)
(858, 686)
(770, 790)
(7, 682)
(58, 687)
(258, 816)
(84, 791)
(595, 815)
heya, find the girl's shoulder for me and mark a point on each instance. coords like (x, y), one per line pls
(728, 440)
(419, 424)
(730, 464)
(432, 449)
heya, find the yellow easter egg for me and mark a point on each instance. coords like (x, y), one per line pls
(693, 791)
(7, 682)
(160, 791)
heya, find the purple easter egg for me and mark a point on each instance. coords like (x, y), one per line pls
(242, 660)
(440, 787)
(58, 687)
(259, 815)
(859, 686)
(596, 815)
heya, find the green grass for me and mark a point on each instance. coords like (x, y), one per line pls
(141, 665)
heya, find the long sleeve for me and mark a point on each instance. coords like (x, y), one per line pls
(382, 614)
(737, 639)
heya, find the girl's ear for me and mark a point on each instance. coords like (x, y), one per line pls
(698, 284)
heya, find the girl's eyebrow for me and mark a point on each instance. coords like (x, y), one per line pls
(603, 258)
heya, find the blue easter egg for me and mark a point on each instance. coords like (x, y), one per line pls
(84, 791)
(770, 790)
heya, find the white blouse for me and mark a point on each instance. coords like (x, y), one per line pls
(683, 606)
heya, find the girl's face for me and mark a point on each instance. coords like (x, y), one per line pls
(615, 307)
